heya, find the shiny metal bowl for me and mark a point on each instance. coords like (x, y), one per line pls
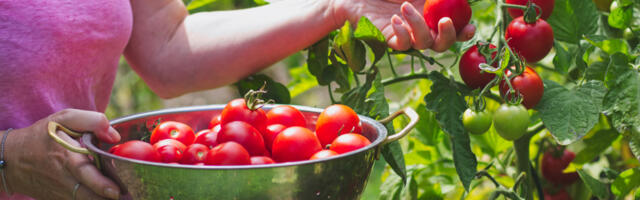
(339, 177)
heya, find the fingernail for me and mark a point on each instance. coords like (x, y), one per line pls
(396, 20)
(113, 134)
(111, 193)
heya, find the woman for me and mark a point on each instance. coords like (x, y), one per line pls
(58, 60)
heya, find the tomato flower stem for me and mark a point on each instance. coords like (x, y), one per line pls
(393, 70)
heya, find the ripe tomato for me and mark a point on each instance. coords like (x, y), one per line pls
(245, 135)
(261, 160)
(214, 121)
(208, 137)
(228, 153)
(470, 71)
(545, 5)
(172, 130)
(458, 10)
(136, 149)
(531, 41)
(562, 194)
(294, 144)
(476, 122)
(237, 110)
(348, 142)
(554, 161)
(511, 121)
(334, 120)
(528, 84)
(323, 154)
(170, 150)
(272, 131)
(286, 115)
(194, 154)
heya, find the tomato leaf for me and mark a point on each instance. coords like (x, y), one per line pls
(448, 103)
(571, 19)
(349, 49)
(595, 145)
(596, 71)
(275, 90)
(427, 128)
(610, 46)
(625, 182)
(622, 101)
(317, 60)
(620, 17)
(570, 114)
(302, 81)
(599, 189)
(563, 58)
(370, 34)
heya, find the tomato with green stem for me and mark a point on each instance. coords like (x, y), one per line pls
(528, 84)
(511, 121)
(531, 40)
(476, 122)
(469, 68)
(545, 5)
(249, 112)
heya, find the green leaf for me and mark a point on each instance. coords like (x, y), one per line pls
(302, 81)
(349, 49)
(622, 101)
(570, 114)
(370, 34)
(620, 17)
(448, 103)
(275, 90)
(596, 71)
(634, 144)
(563, 58)
(595, 145)
(317, 61)
(625, 182)
(597, 188)
(427, 128)
(571, 19)
(610, 46)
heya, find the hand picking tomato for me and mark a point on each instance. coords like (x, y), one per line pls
(245, 135)
(294, 144)
(511, 121)
(323, 154)
(214, 121)
(531, 41)
(349, 142)
(458, 10)
(272, 131)
(172, 130)
(528, 84)
(334, 120)
(286, 115)
(170, 150)
(545, 5)
(136, 149)
(261, 160)
(476, 122)
(554, 161)
(208, 137)
(562, 194)
(470, 71)
(228, 153)
(195, 153)
(237, 110)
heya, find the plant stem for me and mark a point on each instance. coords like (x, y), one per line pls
(521, 146)
(397, 79)
(393, 70)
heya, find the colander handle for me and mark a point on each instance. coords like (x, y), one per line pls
(53, 127)
(413, 120)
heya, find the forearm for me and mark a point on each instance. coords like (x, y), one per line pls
(212, 49)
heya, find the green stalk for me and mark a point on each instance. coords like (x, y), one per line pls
(521, 147)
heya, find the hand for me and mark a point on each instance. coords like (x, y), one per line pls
(401, 23)
(41, 168)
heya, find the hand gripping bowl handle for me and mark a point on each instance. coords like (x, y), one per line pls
(53, 127)
(413, 120)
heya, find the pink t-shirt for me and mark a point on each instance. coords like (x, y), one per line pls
(57, 54)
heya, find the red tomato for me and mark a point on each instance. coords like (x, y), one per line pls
(545, 5)
(272, 131)
(470, 71)
(528, 84)
(531, 41)
(294, 144)
(261, 160)
(553, 166)
(170, 150)
(245, 135)
(334, 120)
(228, 153)
(323, 154)
(559, 195)
(173, 130)
(286, 115)
(237, 110)
(194, 154)
(136, 149)
(458, 10)
(349, 142)
(214, 122)
(208, 137)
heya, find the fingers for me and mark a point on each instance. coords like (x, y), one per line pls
(88, 175)
(467, 32)
(446, 35)
(401, 40)
(85, 193)
(421, 33)
(88, 121)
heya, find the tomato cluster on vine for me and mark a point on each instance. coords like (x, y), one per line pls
(242, 135)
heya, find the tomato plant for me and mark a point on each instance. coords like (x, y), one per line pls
(335, 120)
(532, 41)
(458, 10)
(172, 130)
(528, 85)
(294, 144)
(476, 122)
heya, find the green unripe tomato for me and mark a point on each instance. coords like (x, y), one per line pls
(511, 121)
(628, 34)
(476, 122)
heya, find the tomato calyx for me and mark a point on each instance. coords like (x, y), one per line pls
(254, 100)
(532, 11)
